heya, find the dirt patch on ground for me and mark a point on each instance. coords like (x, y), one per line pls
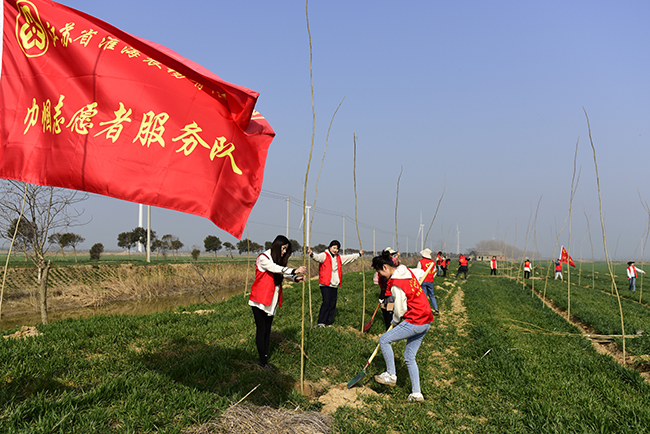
(24, 333)
(600, 344)
(339, 395)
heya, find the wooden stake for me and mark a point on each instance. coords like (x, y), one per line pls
(602, 224)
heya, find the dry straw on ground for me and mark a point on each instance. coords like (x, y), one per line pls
(250, 419)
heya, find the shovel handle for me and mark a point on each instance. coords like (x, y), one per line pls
(374, 353)
(426, 272)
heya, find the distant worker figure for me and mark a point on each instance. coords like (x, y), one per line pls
(493, 266)
(632, 275)
(427, 282)
(440, 263)
(445, 266)
(527, 268)
(558, 270)
(330, 276)
(462, 265)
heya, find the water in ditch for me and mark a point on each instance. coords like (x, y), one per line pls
(131, 307)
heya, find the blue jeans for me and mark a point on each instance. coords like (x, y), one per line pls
(632, 283)
(414, 334)
(428, 290)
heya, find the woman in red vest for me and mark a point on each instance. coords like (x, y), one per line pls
(527, 268)
(427, 283)
(330, 276)
(412, 319)
(266, 292)
(493, 266)
(558, 270)
(462, 265)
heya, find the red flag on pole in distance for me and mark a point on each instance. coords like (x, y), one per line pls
(566, 258)
(86, 106)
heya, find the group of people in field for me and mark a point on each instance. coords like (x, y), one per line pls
(405, 295)
(632, 271)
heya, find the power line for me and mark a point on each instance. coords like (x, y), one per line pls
(324, 211)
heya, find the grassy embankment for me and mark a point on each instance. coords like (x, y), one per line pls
(480, 372)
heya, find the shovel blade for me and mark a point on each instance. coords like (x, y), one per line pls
(367, 326)
(356, 379)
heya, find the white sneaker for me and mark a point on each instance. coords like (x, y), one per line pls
(415, 397)
(387, 379)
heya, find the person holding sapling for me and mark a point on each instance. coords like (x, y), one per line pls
(632, 275)
(412, 319)
(266, 292)
(330, 276)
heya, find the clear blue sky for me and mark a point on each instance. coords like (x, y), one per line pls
(488, 94)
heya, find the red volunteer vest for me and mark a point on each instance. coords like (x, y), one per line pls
(558, 267)
(632, 268)
(418, 309)
(493, 264)
(424, 264)
(462, 260)
(264, 287)
(325, 270)
(527, 264)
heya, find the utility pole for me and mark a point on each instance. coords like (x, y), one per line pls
(458, 240)
(374, 250)
(148, 233)
(140, 206)
(343, 234)
(422, 232)
(308, 229)
(287, 232)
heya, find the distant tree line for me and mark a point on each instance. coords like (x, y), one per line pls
(163, 245)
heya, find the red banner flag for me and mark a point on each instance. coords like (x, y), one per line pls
(86, 106)
(566, 258)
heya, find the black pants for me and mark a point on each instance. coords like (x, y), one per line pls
(388, 317)
(462, 269)
(263, 335)
(328, 307)
(493, 271)
(526, 274)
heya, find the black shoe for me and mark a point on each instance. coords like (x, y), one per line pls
(268, 367)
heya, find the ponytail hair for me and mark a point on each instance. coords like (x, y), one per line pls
(384, 258)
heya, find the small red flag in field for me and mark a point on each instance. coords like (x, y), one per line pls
(566, 258)
(86, 106)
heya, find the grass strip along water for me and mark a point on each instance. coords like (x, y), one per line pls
(174, 371)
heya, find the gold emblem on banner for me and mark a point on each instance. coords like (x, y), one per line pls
(31, 34)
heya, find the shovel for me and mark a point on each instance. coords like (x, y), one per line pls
(367, 326)
(362, 374)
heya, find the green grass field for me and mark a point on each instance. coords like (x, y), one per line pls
(481, 372)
